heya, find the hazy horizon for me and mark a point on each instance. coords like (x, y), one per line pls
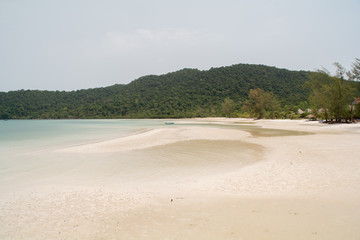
(71, 45)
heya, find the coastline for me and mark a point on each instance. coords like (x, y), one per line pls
(300, 186)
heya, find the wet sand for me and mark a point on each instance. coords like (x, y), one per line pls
(217, 181)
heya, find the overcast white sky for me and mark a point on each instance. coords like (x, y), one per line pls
(76, 44)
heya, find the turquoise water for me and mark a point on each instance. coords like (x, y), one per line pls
(24, 135)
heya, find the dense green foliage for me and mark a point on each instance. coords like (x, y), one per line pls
(185, 93)
(228, 107)
(334, 97)
(262, 104)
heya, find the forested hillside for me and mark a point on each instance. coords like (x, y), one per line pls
(185, 93)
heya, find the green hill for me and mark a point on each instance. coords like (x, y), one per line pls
(185, 93)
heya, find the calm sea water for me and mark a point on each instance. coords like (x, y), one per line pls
(25, 135)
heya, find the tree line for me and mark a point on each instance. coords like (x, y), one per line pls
(241, 90)
(184, 93)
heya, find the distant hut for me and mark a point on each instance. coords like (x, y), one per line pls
(300, 111)
(311, 117)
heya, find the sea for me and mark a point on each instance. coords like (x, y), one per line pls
(25, 135)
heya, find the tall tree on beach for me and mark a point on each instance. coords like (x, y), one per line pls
(319, 92)
(228, 107)
(332, 94)
(260, 103)
(354, 74)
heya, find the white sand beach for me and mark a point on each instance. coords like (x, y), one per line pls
(276, 179)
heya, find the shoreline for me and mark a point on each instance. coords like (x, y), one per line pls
(299, 186)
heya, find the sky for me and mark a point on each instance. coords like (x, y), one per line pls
(80, 44)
